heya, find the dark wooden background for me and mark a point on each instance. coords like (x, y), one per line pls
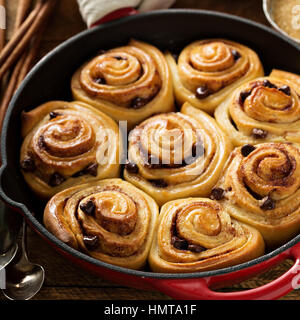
(63, 279)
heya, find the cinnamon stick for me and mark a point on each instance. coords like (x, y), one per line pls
(23, 8)
(26, 60)
(33, 52)
(2, 31)
(17, 76)
(30, 57)
(10, 89)
(13, 81)
(41, 17)
(19, 35)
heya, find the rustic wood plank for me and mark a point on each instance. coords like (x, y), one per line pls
(100, 293)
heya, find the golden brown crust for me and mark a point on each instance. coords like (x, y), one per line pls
(255, 188)
(269, 105)
(198, 151)
(128, 83)
(262, 189)
(67, 143)
(218, 66)
(197, 234)
(110, 220)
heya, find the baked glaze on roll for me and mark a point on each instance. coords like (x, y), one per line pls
(175, 155)
(263, 110)
(197, 234)
(129, 83)
(110, 220)
(207, 71)
(67, 143)
(261, 187)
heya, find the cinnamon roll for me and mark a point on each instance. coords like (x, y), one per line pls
(207, 71)
(198, 234)
(263, 110)
(261, 187)
(67, 143)
(110, 220)
(175, 155)
(128, 83)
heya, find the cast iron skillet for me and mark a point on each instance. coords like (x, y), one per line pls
(166, 29)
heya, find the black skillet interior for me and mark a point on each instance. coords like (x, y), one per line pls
(168, 30)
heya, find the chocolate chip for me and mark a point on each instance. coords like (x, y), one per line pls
(202, 92)
(53, 114)
(119, 58)
(178, 243)
(259, 133)
(159, 183)
(91, 242)
(92, 169)
(56, 179)
(244, 95)
(131, 167)
(100, 80)
(286, 90)
(78, 174)
(267, 204)
(195, 248)
(88, 207)
(138, 103)
(41, 142)
(173, 228)
(217, 194)
(268, 84)
(198, 146)
(28, 164)
(236, 54)
(247, 149)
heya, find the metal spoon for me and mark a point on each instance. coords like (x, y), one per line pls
(10, 223)
(6, 257)
(23, 278)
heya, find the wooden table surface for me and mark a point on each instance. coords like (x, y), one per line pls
(63, 279)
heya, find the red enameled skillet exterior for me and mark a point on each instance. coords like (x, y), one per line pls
(167, 29)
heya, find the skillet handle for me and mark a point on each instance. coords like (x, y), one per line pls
(200, 289)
